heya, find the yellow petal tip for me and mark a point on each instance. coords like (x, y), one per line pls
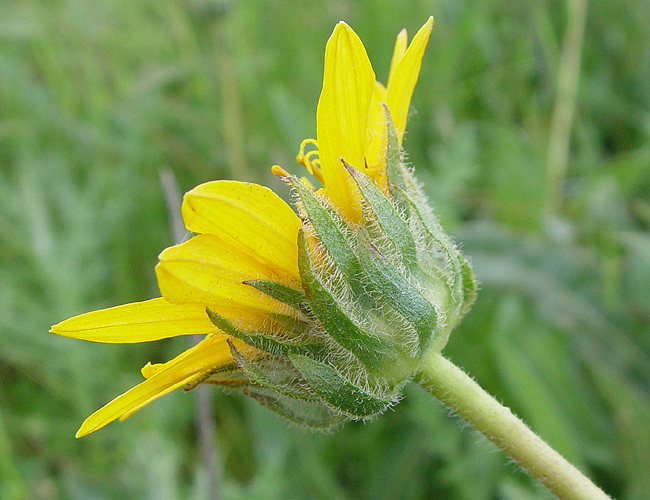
(342, 26)
(82, 432)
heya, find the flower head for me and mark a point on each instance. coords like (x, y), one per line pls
(323, 315)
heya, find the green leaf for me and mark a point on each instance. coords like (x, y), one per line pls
(630, 406)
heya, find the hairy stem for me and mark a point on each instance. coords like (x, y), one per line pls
(465, 397)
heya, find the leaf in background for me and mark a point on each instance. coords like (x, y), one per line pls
(537, 401)
(631, 413)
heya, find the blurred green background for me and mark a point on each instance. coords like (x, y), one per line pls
(530, 129)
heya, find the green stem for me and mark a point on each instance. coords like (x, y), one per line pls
(567, 91)
(459, 392)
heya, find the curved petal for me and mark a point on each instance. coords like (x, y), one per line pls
(376, 138)
(207, 271)
(209, 354)
(249, 216)
(146, 321)
(403, 78)
(342, 114)
(398, 52)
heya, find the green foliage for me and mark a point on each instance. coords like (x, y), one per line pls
(96, 98)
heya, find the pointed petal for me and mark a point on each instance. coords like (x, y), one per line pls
(206, 270)
(211, 353)
(403, 78)
(342, 114)
(138, 322)
(398, 52)
(249, 216)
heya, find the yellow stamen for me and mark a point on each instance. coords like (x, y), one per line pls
(279, 171)
(303, 145)
(312, 164)
(310, 160)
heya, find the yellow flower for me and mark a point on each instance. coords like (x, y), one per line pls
(246, 283)
(350, 120)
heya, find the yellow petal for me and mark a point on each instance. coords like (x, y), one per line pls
(398, 52)
(403, 78)
(342, 114)
(206, 270)
(249, 216)
(211, 353)
(376, 137)
(138, 322)
(149, 370)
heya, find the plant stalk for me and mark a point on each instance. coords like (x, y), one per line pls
(565, 105)
(460, 393)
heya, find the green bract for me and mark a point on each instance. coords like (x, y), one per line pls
(378, 296)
